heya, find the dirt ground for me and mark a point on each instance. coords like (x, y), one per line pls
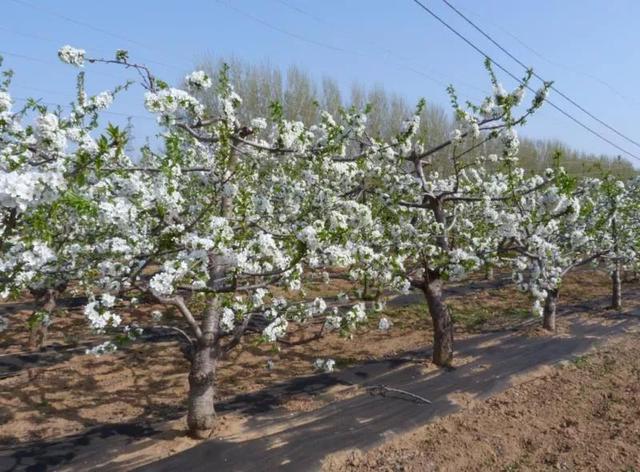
(581, 415)
(147, 382)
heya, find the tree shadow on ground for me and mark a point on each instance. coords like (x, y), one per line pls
(355, 422)
(496, 356)
(302, 441)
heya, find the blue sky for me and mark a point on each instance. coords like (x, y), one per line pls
(588, 47)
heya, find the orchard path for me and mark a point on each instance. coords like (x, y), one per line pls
(366, 420)
(302, 440)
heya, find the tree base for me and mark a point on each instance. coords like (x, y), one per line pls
(200, 433)
(445, 363)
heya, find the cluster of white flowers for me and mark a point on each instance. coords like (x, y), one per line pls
(101, 101)
(308, 235)
(410, 126)
(103, 348)
(358, 122)
(318, 307)
(276, 329)
(36, 258)
(257, 299)
(258, 123)
(227, 320)
(71, 55)
(99, 315)
(293, 132)
(83, 139)
(263, 254)
(326, 365)
(456, 136)
(384, 324)
(21, 190)
(347, 320)
(499, 91)
(170, 101)
(163, 282)
(511, 142)
(119, 211)
(198, 80)
(5, 102)
(49, 133)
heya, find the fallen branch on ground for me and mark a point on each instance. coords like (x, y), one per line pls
(383, 389)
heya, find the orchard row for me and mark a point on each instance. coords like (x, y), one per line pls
(219, 218)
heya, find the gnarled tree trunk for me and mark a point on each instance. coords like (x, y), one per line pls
(549, 312)
(442, 323)
(201, 412)
(616, 288)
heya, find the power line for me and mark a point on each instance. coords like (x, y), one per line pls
(252, 17)
(313, 41)
(399, 61)
(58, 43)
(38, 89)
(48, 62)
(289, 33)
(79, 23)
(513, 76)
(92, 27)
(108, 112)
(563, 95)
(557, 64)
(25, 57)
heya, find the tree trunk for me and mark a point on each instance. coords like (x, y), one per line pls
(488, 272)
(201, 412)
(442, 324)
(549, 313)
(616, 279)
(40, 327)
(33, 333)
(616, 294)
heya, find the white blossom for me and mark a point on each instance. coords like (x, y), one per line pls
(384, 324)
(276, 329)
(326, 365)
(71, 55)
(198, 80)
(103, 348)
(5, 102)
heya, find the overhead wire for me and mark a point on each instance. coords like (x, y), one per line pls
(398, 59)
(557, 64)
(520, 81)
(553, 87)
(108, 112)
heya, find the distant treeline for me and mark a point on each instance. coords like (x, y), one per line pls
(302, 98)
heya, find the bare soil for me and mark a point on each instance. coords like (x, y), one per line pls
(581, 415)
(147, 382)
